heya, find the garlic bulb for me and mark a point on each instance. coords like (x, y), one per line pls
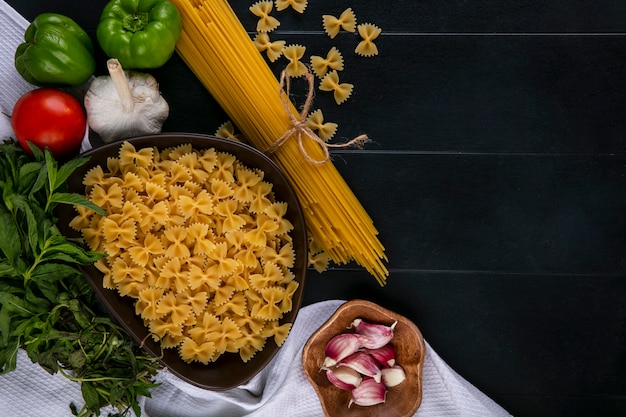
(124, 104)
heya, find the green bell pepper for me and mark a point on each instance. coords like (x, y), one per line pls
(139, 33)
(56, 51)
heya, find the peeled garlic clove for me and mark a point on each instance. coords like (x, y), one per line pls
(368, 393)
(384, 355)
(393, 376)
(344, 378)
(363, 364)
(378, 335)
(342, 346)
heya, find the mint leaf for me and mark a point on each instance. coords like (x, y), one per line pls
(28, 174)
(68, 169)
(8, 355)
(22, 204)
(40, 182)
(76, 200)
(8, 234)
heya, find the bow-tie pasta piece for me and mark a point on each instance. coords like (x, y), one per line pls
(286, 303)
(192, 352)
(251, 343)
(285, 256)
(190, 162)
(224, 167)
(317, 258)
(294, 53)
(247, 179)
(368, 33)
(229, 219)
(325, 130)
(277, 212)
(258, 236)
(236, 306)
(321, 65)
(273, 49)
(107, 195)
(175, 242)
(142, 254)
(176, 312)
(191, 207)
(227, 131)
(198, 301)
(297, 5)
(93, 177)
(262, 197)
(270, 276)
(278, 331)
(346, 21)
(221, 189)
(269, 310)
(132, 159)
(262, 10)
(341, 91)
(148, 300)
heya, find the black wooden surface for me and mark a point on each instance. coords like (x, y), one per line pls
(495, 177)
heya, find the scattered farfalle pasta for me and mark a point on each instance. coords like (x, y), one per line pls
(262, 10)
(368, 33)
(317, 258)
(341, 91)
(294, 53)
(199, 242)
(325, 130)
(273, 49)
(297, 5)
(333, 61)
(227, 131)
(346, 21)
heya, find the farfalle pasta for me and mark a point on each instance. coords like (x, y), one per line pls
(341, 91)
(200, 243)
(321, 65)
(273, 49)
(294, 53)
(325, 130)
(262, 10)
(297, 5)
(227, 131)
(346, 21)
(368, 32)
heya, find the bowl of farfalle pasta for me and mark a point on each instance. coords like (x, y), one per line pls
(205, 251)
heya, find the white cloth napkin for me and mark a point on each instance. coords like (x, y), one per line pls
(280, 389)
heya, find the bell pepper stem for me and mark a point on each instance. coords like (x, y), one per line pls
(121, 84)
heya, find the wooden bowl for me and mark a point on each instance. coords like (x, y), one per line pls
(402, 400)
(228, 371)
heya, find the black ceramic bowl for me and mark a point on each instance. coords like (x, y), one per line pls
(228, 371)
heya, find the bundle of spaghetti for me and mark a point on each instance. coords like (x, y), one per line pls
(218, 50)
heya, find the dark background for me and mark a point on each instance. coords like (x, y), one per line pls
(495, 177)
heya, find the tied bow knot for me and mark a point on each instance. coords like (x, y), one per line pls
(300, 130)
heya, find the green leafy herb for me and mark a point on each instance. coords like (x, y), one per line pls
(46, 306)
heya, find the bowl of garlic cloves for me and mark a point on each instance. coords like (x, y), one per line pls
(366, 361)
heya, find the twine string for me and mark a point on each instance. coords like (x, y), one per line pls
(300, 130)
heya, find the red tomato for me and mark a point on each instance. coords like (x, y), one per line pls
(51, 118)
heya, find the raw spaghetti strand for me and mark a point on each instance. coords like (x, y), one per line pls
(219, 51)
